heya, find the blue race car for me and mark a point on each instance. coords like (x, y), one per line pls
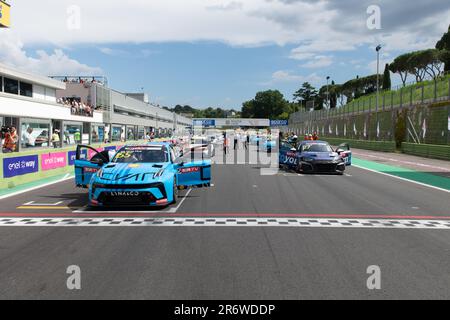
(138, 175)
(315, 157)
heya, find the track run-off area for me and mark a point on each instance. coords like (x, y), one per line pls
(280, 236)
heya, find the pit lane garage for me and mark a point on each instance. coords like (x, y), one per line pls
(138, 175)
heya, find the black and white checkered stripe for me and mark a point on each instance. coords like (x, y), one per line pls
(233, 222)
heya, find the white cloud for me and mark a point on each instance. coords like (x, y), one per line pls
(233, 5)
(12, 52)
(317, 26)
(319, 62)
(287, 76)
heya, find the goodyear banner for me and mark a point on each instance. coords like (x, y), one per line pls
(5, 18)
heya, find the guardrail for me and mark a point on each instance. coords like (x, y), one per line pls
(427, 150)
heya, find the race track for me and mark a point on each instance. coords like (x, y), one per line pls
(249, 236)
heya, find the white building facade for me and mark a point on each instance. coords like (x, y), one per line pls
(82, 112)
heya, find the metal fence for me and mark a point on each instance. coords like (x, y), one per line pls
(400, 97)
(426, 115)
(422, 124)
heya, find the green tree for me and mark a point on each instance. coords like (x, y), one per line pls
(444, 44)
(387, 84)
(305, 94)
(334, 94)
(401, 66)
(268, 104)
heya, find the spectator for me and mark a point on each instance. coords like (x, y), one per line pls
(94, 135)
(28, 138)
(55, 139)
(77, 136)
(10, 142)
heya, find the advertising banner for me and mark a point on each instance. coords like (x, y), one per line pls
(50, 161)
(204, 123)
(230, 122)
(18, 166)
(71, 155)
(279, 123)
(92, 153)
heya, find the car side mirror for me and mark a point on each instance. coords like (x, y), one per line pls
(293, 150)
(98, 162)
(339, 151)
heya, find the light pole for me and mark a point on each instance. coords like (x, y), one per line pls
(378, 48)
(328, 93)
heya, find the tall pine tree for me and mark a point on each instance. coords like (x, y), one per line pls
(444, 44)
(387, 84)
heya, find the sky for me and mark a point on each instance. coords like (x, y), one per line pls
(216, 53)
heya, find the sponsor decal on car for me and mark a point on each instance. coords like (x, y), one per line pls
(91, 170)
(188, 170)
(124, 193)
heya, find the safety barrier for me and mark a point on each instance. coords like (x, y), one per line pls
(29, 166)
(427, 150)
(385, 146)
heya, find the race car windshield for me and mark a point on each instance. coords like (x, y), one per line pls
(141, 155)
(317, 148)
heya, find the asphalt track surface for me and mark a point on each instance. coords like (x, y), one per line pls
(232, 241)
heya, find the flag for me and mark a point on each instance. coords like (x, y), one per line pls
(354, 128)
(424, 129)
(378, 129)
(365, 129)
(345, 129)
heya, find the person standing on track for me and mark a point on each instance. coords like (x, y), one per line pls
(315, 136)
(225, 144)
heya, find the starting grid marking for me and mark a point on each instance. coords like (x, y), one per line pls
(230, 222)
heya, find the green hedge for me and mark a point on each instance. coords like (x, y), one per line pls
(385, 146)
(427, 150)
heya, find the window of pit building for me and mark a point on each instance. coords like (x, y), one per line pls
(26, 89)
(141, 133)
(34, 133)
(72, 133)
(131, 133)
(117, 133)
(10, 86)
(97, 133)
